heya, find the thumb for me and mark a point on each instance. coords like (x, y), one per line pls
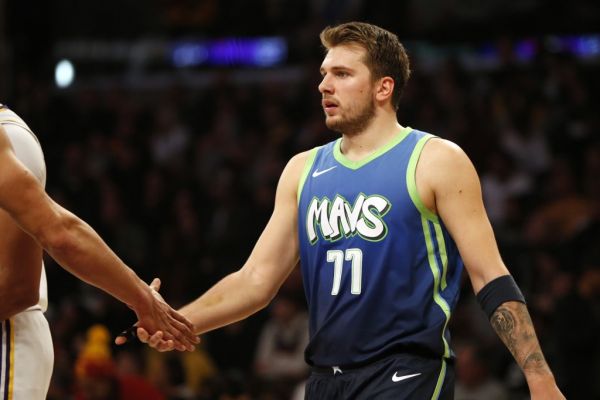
(127, 335)
(155, 284)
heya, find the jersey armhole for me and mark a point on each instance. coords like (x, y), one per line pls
(411, 181)
(310, 160)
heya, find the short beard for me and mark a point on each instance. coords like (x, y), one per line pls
(356, 124)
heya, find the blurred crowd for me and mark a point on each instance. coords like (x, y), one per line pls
(181, 182)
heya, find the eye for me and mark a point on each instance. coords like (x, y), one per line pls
(342, 74)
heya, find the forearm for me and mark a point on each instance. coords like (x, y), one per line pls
(513, 324)
(232, 299)
(79, 250)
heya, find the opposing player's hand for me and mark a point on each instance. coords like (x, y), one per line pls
(156, 341)
(158, 316)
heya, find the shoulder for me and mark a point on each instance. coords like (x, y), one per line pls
(295, 170)
(299, 160)
(442, 151)
(443, 169)
(298, 163)
(443, 160)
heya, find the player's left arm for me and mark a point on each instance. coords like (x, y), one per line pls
(454, 188)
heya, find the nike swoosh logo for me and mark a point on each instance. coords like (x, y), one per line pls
(317, 172)
(397, 378)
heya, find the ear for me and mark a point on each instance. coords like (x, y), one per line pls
(384, 89)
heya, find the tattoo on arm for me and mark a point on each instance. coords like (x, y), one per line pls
(512, 323)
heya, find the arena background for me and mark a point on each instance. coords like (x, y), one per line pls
(166, 124)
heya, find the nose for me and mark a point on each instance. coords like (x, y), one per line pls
(325, 86)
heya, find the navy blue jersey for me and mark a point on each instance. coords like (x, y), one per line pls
(381, 273)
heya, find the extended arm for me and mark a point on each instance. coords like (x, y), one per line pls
(449, 185)
(251, 288)
(78, 248)
(274, 256)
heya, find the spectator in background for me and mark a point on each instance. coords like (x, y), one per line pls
(501, 183)
(565, 212)
(282, 340)
(97, 377)
(474, 381)
(576, 325)
(181, 376)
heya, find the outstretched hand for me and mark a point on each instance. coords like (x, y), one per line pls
(156, 341)
(173, 329)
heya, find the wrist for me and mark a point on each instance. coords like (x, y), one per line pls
(540, 379)
(142, 299)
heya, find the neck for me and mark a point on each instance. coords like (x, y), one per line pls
(382, 129)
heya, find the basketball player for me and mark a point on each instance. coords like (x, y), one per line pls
(382, 220)
(30, 220)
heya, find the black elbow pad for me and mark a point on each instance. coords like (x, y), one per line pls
(498, 291)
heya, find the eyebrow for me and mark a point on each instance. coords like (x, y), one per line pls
(336, 68)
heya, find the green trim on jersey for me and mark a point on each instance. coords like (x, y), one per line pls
(439, 274)
(433, 265)
(443, 255)
(341, 158)
(312, 153)
(412, 183)
(440, 381)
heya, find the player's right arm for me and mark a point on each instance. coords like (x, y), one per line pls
(449, 186)
(78, 248)
(252, 287)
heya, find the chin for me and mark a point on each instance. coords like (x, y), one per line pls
(331, 126)
(333, 123)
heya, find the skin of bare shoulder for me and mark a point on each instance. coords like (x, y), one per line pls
(293, 170)
(440, 162)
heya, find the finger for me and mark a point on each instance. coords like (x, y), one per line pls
(182, 342)
(162, 345)
(170, 344)
(167, 345)
(143, 335)
(155, 339)
(155, 284)
(184, 347)
(183, 334)
(128, 335)
(189, 332)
